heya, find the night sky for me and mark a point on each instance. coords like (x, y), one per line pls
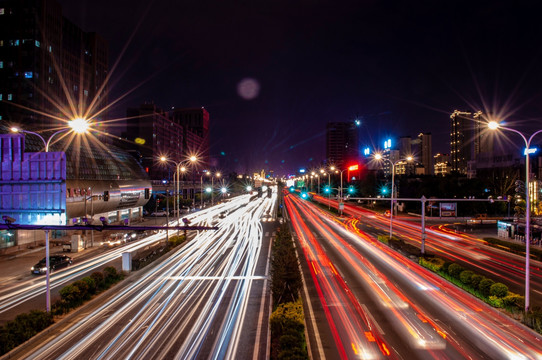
(402, 67)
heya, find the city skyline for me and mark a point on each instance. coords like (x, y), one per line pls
(274, 75)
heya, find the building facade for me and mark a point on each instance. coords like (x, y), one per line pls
(342, 144)
(461, 140)
(49, 67)
(425, 152)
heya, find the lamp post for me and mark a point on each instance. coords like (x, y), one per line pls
(78, 126)
(213, 187)
(493, 125)
(379, 157)
(179, 168)
(193, 159)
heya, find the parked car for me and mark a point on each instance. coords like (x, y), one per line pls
(55, 262)
(159, 213)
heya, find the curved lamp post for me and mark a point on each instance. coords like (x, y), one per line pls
(493, 125)
(79, 126)
(379, 157)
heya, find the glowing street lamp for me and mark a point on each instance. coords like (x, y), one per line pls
(79, 127)
(379, 157)
(493, 125)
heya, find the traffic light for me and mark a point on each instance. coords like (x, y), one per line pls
(292, 189)
(106, 195)
(327, 189)
(304, 195)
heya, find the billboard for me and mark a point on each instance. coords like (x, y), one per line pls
(448, 209)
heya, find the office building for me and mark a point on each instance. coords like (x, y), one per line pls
(178, 134)
(461, 140)
(442, 164)
(425, 156)
(195, 124)
(48, 66)
(342, 143)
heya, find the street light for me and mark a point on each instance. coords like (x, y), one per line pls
(379, 157)
(493, 125)
(78, 126)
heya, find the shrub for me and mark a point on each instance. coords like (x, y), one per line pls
(475, 280)
(71, 295)
(91, 285)
(495, 301)
(83, 289)
(485, 285)
(454, 270)
(466, 276)
(514, 300)
(23, 328)
(288, 331)
(499, 290)
(99, 280)
(111, 275)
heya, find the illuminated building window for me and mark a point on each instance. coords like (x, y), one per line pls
(85, 92)
(28, 74)
(1, 97)
(1, 64)
(10, 97)
(37, 43)
(2, 11)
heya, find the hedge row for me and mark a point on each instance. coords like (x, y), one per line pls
(27, 325)
(287, 320)
(287, 325)
(494, 293)
(285, 276)
(77, 293)
(23, 328)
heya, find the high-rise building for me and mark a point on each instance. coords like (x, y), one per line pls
(425, 153)
(49, 67)
(461, 140)
(342, 143)
(176, 135)
(483, 139)
(195, 122)
(442, 164)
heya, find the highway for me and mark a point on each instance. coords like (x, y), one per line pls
(462, 248)
(208, 299)
(379, 304)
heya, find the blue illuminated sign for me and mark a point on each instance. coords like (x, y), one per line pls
(531, 151)
(366, 151)
(302, 171)
(387, 144)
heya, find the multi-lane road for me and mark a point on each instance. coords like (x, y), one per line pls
(378, 304)
(209, 299)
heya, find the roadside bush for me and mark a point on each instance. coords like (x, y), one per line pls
(475, 280)
(288, 331)
(84, 291)
(446, 265)
(495, 301)
(514, 300)
(71, 296)
(466, 276)
(434, 264)
(91, 284)
(23, 328)
(111, 275)
(99, 280)
(176, 240)
(485, 285)
(285, 275)
(454, 270)
(499, 290)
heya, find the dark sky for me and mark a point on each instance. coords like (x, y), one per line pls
(402, 67)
